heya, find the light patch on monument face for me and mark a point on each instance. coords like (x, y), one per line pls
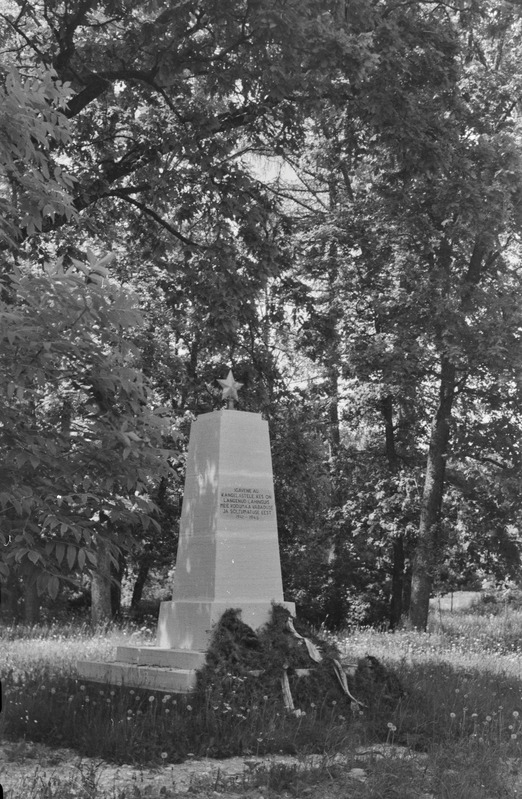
(246, 503)
(208, 478)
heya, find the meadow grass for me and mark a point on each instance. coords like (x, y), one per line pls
(460, 715)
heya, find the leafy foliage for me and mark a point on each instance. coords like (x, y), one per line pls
(407, 252)
(79, 438)
(33, 188)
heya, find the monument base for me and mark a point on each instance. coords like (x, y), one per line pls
(150, 678)
(184, 633)
(186, 624)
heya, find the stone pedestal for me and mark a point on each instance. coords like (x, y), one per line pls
(228, 553)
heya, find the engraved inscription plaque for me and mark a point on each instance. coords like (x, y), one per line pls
(246, 504)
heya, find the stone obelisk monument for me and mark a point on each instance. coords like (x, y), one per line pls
(228, 550)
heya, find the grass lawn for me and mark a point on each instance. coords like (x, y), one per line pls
(459, 714)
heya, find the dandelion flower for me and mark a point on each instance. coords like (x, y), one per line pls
(151, 699)
(513, 736)
(515, 714)
(164, 755)
(391, 726)
(189, 707)
(488, 718)
(453, 715)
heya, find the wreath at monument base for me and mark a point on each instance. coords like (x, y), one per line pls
(280, 663)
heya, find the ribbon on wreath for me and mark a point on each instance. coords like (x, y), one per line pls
(316, 656)
(313, 651)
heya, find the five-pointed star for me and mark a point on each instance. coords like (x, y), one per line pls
(230, 387)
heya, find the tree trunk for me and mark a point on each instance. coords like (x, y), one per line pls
(334, 433)
(398, 558)
(397, 589)
(10, 596)
(31, 600)
(117, 574)
(406, 592)
(389, 433)
(141, 578)
(427, 552)
(101, 610)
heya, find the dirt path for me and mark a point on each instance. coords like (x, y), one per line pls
(28, 771)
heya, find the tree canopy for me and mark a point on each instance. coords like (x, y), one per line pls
(327, 197)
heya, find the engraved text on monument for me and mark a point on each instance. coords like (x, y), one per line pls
(251, 504)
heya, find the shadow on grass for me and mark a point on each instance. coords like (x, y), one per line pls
(232, 712)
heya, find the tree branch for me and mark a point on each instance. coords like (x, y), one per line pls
(122, 195)
(66, 37)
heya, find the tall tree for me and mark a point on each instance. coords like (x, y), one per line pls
(164, 96)
(426, 164)
(80, 438)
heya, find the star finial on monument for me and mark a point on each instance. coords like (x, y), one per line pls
(230, 389)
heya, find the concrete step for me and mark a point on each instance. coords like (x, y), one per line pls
(153, 678)
(160, 656)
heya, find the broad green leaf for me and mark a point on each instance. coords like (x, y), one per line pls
(81, 559)
(53, 586)
(71, 556)
(60, 552)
